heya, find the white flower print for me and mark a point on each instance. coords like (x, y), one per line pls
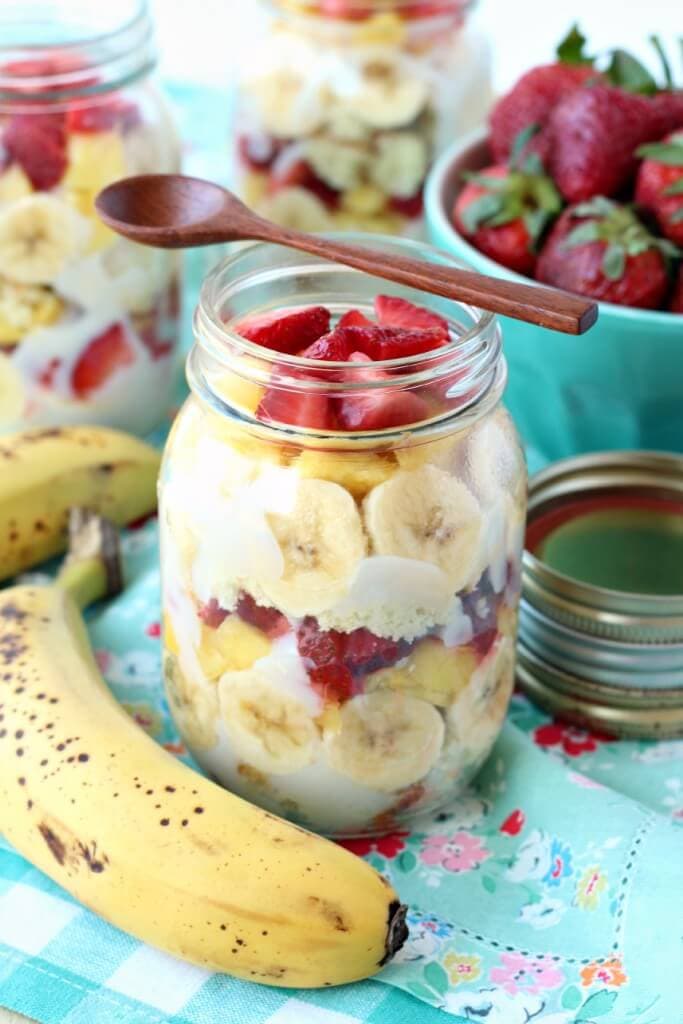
(495, 1006)
(134, 668)
(544, 913)
(533, 858)
(660, 753)
(422, 944)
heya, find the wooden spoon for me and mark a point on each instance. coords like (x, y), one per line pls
(171, 211)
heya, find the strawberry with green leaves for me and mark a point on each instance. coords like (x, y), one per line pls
(504, 209)
(659, 186)
(600, 248)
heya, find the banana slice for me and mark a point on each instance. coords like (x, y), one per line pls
(340, 165)
(493, 458)
(12, 394)
(441, 453)
(386, 741)
(39, 235)
(194, 708)
(24, 307)
(400, 165)
(14, 184)
(432, 672)
(429, 515)
(288, 107)
(297, 209)
(389, 97)
(269, 729)
(355, 471)
(477, 715)
(321, 540)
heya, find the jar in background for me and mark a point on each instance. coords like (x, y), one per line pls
(343, 106)
(88, 321)
(339, 604)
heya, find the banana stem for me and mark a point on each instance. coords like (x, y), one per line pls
(92, 567)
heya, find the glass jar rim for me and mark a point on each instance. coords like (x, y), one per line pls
(474, 353)
(43, 58)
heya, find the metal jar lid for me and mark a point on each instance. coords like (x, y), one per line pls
(602, 657)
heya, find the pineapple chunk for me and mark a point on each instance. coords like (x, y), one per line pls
(14, 184)
(357, 472)
(234, 646)
(95, 161)
(432, 672)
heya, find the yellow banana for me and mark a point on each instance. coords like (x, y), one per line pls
(45, 472)
(150, 845)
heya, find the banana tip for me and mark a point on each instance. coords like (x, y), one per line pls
(397, 931)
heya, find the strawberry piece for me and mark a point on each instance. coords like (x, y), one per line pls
(483, 642)
(595, 134)
(659, 186)
(332, 347)
(411, 208)
(104, 356)
(211, 614)
(258, 150)
(364, 652)
(377, 411)
(354, 318)
(393, 311)
(110, 112)
(296, 409)
(268, 620)
(601, 249)
(504, 210)
(391, 342)
(288, 332)
(37, 142)
(323, 651)
(531, 102)
(676, 301)
(290, 171)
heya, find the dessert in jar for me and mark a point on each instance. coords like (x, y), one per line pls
(342, 507)
(88, 321)
(343, 105)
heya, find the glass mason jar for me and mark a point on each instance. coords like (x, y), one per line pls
(88, 321)
(339, 606)
(344, 104)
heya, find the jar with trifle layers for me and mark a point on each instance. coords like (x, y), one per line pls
(88, 321)
(342, 107)
(342, 509)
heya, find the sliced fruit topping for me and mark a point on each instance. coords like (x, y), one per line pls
(378, 411)
(102, 116)
(288, 332)
(393, 311)
(104, 356)
(37, 142)
(332, 347)
(296, 409)
(391, 342)
(269, 620)
(354, 318)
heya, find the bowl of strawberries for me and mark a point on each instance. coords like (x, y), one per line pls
(578, 183)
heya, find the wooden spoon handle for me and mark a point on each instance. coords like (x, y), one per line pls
(534, 304)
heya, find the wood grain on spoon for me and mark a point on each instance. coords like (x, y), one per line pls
(171, 211)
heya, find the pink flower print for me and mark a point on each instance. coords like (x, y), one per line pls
(153, 630)
(460, 852)
(583, 781)
(103, 659)
(518, 973)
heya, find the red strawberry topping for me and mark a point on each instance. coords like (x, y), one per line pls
(104, 356)
(410, 208)
(288, 332)
(269, 620)
(332, 347)
(354, 318)
(296, 409)
(392, 342)
(393, 311)
(37, 142)
(378, 411)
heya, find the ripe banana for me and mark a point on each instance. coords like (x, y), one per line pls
(209, 877)
(39, 235)
(43, 473)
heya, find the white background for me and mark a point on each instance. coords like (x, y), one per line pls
(201, 39)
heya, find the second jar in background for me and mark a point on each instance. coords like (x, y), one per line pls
(343, 107)
(88, 321)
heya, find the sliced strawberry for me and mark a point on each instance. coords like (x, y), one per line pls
(258, 150)
(391, 342)
(296, 409)
(354, 318)
(104, 356)
(365, 652)
(393, 311)
(323, 652)
(410, 208)
(288, 332)
(269, 620)
(290, 171)
(483, 642)
(211, 614)
(37, 142)
(332, 347)
(333, 682)
(378, 411)
(102, 116)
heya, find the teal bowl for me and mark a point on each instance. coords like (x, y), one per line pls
(620, 385)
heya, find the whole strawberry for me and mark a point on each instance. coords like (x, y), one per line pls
(601, 249)
(676, 301)
(659, 186)
(595, 133)
(533, 98)
(504, 209)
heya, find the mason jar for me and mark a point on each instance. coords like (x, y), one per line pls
(342, 105)
(341, 547)
(88, 321)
